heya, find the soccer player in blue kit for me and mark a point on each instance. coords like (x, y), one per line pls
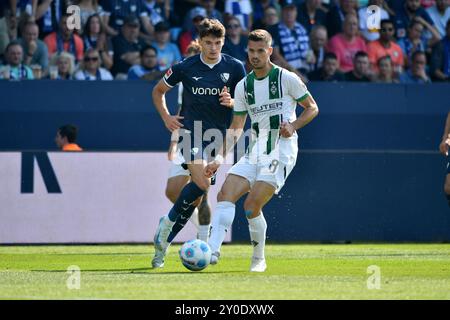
(208, 80)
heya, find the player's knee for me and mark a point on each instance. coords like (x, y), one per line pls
(171, 194)
(223, 195)
(447, 188)
(252, 207)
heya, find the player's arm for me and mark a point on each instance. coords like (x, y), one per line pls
(443, 147)
(311, 110)
(173, 141)
(234, 132)
(159, 100)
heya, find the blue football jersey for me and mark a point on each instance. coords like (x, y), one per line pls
(201, 88)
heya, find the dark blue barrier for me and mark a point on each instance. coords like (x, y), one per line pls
(119, 115)
(358, 196)
(370, 172)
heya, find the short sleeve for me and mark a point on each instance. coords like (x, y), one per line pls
(173, 75)
(239, 74)
(295, 86)
(240, 104)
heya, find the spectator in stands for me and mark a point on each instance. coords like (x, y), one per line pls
(241, 9)
(336, 15)
(405, 14)
(87, 9)
(66, 138)
(440, 14)
(384, 46)
(259, 11)
(197, 15)
(329, 70)
(65, 40)
(90, 68)
(361, 70)
(291, 41)
(415, 40)
(270, 18)
(385, 73)
(157, 10)
(317, 38)
(440, 58)
(148, 69)
(14, 68)
(235, 42)
(371, 35)
(95, 37)
(62, 66)
(7, 18)
(347, 43)
(417, 72)
(211, 12)
(49, 14)
(168, 52)
(126, 48)
(117, 11)
(310, 14)
(34, 49)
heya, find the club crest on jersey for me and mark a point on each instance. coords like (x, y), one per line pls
(168, 73)
(273, 87)
(224, 77)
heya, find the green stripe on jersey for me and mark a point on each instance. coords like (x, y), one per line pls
(274, 128)
(250, 88)
(274, 85)
(302, 97)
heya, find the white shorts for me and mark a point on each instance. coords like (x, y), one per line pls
(273, 169)
(177, 170)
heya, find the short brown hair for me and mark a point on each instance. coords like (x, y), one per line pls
(260, 35)
(211, 27)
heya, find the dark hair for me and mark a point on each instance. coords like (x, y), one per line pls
(260, 35)
(387, 21)
(329, 55)
(12, 43)
(86, 30)
(70, 131)
(360, 54)
(211, 27)
(416, 53)
(386, 57)
(145, 48)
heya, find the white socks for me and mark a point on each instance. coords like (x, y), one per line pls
(258, 227)
(203, 232)
(221, 224)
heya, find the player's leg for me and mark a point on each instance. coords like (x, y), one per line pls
(232, 190)
(184, 205)
(447, 187)
(204, 218)
(173, 190)
(259, 195)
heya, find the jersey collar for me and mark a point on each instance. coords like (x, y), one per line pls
(208, 64)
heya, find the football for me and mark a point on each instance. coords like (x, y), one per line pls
(195, 255)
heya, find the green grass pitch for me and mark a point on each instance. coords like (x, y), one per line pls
(297, 271)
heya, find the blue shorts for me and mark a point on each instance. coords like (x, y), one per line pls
(192, 147)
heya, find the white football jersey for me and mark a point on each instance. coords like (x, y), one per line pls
(269, 102)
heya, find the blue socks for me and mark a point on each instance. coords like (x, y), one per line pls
(182, 209)
(180, 223)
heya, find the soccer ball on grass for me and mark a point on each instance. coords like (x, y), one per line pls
(195, 255)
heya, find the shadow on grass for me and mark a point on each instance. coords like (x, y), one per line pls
(140, 271)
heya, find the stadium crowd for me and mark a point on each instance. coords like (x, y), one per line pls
(321, 40)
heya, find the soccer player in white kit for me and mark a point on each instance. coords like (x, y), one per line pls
(269, 95)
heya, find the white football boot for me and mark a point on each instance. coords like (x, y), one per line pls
(160, 241)
(214, 257)
(258, 265)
